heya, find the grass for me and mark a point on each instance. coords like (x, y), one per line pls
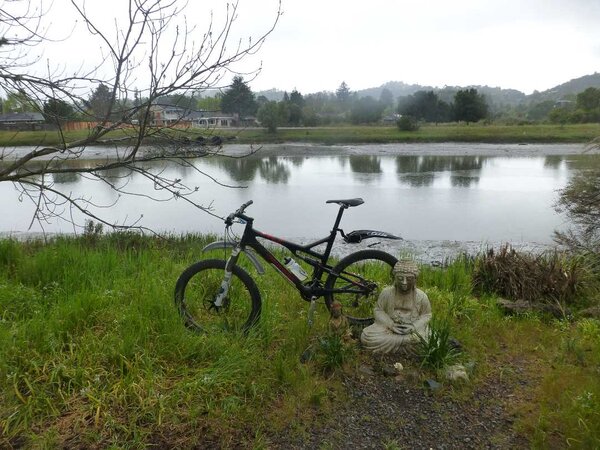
(347, 134)
(93, 354)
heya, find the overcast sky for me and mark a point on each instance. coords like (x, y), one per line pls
(520, 44)
(317, 44)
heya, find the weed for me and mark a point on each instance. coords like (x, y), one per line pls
(391, 445)
(436, 349)
(332, 352)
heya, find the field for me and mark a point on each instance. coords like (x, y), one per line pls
(354, 134)
(93, 354)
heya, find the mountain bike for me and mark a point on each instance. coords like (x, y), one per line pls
(218, 294)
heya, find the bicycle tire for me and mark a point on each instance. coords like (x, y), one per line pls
(371, 270)
(198, 285)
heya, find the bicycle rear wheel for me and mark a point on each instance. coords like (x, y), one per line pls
(197, 288)
(358, 279)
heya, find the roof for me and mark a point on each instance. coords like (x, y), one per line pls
(22, 117)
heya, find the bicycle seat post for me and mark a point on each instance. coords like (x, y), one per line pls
(338, 218)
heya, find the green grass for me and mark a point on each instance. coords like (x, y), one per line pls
(453, 132)
(93, 354)
(430, 133)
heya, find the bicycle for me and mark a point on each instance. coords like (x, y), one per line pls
(221, 293)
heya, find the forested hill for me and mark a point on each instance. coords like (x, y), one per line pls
(568, 89)
(495, 95)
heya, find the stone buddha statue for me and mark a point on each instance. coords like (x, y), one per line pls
(402, 312)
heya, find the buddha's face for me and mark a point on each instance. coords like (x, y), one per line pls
(405, 282)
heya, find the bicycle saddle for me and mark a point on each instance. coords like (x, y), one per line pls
(348, 202)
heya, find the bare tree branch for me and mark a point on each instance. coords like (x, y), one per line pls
(147, 54)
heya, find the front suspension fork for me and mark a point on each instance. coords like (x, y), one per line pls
(226, 283)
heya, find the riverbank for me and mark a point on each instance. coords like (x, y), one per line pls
(377, 134)
(102, 152)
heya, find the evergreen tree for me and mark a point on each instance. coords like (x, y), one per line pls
(469, 106)
(239, 99)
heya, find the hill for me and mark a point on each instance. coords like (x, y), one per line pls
(568, 89)
(498, 97)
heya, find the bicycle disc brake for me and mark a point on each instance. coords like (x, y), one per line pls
(209, 305)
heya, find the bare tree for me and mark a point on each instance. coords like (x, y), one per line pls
(147, 54)
(580, 201)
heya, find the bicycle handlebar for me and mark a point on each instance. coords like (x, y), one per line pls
(239, 212)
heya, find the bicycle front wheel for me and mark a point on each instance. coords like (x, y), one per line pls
(357, 281)
(199, 285)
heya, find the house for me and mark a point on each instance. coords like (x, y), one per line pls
(21, 121)
(176, 116)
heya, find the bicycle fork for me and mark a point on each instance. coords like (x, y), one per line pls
(226, 283)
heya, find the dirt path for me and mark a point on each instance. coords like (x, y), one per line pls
(400, 412)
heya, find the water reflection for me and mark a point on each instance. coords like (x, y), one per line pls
(513, 195)
(365, 164)
(419, 171)
(271, 169)
(67, 177)
(553, 161)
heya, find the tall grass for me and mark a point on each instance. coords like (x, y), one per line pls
(93, 353)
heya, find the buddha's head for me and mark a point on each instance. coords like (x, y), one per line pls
(405, 275)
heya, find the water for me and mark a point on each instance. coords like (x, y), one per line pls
(431, 197)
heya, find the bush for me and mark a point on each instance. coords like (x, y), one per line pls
(533, 278)
(407, 123)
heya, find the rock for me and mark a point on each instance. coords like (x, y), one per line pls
(366, 370)
(456, 372)
(455, 345)
(389, 371)
(399, 367)
(306, 355)
(432, 385)
(522, 306)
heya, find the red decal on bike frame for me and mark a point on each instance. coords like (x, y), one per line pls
(270, 237)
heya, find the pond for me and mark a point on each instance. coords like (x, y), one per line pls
(420, 195)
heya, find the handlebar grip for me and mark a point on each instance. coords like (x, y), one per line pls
(239, 212)
(243, 207)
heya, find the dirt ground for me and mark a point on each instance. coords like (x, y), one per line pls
(384, 410)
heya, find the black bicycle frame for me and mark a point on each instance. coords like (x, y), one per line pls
(319, 263)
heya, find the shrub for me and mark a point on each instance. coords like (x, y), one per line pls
(407, 123)
(523, 276)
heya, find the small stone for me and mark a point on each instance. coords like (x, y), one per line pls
(457, 372)
(389, 371)
(432, 385)
(366, 370)
(399, 367)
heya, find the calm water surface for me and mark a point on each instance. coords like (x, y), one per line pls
(467, 198)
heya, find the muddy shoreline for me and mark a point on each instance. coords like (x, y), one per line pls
(307, 150)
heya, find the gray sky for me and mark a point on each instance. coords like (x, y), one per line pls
(520, 44)
(317, 44)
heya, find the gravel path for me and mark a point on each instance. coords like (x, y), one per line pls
(401, 412)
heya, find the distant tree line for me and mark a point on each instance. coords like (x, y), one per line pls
(325, 108)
